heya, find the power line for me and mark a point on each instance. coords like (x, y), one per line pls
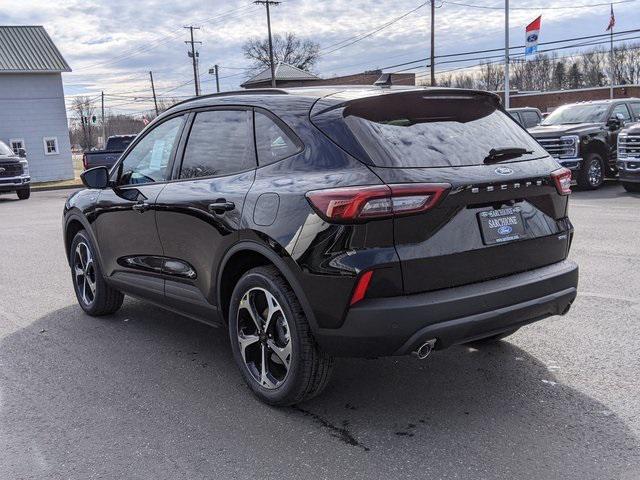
(569, 7)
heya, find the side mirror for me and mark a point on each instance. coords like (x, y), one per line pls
(96, 177)
(615, 123)
(22, 153)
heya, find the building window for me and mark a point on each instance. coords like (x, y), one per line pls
(16, 144)
(50, 145)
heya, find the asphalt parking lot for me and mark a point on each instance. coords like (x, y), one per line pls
(149, 394)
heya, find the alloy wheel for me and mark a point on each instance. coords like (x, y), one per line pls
(264, 338)
(84, 273)
(595, 173)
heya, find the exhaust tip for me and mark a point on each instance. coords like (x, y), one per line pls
(424, 350)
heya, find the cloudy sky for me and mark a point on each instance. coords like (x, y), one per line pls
(111, 45)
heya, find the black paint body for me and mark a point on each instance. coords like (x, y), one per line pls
(179, 253)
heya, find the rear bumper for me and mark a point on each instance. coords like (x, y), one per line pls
(398, 325)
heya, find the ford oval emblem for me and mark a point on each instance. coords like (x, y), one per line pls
(505, 230)
(503, 171)
(532, 38)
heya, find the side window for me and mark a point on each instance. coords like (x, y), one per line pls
(530, 118)
(623, 110)
(272, 142)
(635, 110)
(220, 143)
(148, 160)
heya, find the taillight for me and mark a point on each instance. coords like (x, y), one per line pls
(562, 179)
(358, 204)
(361, 287)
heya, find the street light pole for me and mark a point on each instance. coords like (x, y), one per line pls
(267, 3)
(506, 53)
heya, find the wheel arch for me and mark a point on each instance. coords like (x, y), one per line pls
(249, 254)
(73, 223)
(596, 145)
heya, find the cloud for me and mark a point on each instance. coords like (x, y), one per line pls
(112, 45)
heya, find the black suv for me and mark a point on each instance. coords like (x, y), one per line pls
(318, 223)
(583, 137)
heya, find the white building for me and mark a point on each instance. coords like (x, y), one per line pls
(32, 109)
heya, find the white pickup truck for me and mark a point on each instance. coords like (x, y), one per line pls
(14, 172)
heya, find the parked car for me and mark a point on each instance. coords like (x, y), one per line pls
(528, 117)
(116, 144)
(583, 137)
(316, 223)
(629, 158)
(14, 172)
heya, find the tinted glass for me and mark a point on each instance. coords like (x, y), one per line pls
(220, 143)
(530, 118)
(622, 110)
(433, 130)
(148, 160)
(272, 142)
(580, 113)
(4, 150)
(119, 143)
(635, 109)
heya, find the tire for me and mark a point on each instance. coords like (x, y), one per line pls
(494, 338)
(296, 369)
(94, 295)
(631, 187)
(591, 174)
(24, 193)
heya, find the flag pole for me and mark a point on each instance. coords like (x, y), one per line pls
(612, 57)
(506, 53)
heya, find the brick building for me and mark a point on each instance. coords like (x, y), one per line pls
(290, 76)
(548, 101)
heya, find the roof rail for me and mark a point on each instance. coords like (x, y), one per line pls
(252, 91)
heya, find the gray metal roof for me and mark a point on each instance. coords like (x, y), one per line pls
(283, 71)
(27, 49)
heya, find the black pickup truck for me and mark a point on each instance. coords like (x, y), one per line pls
(583, 137)
(116, 144)
(629, 158)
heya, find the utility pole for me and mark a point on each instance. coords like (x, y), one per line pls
(214, 71)
(506, 53)
(153, 90)
(267, 3)
(104, 127)
(612, 23)
(433, 48)
(193, 54)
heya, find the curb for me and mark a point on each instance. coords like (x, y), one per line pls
(35, 188)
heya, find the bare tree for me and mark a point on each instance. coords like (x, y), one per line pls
(491, 76)
(85, 111)
(287, 48)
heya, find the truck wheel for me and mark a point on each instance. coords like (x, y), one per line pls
(272, 342)
(631, 187)
(24, 193)
(94, 295)
(591, 174)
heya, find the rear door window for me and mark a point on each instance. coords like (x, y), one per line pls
(422, 129)
(220, 143)
(635, 110)
(273, 143)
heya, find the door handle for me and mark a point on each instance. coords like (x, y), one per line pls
(141, 207)
(221, 206)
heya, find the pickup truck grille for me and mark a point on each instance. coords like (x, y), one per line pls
(555, 147)
(10, 170)
(629, 146)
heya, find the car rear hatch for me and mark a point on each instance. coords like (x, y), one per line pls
(497, 215)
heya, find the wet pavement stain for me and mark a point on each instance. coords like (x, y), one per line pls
(341, 433)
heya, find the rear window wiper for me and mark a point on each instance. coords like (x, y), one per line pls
(501, 154)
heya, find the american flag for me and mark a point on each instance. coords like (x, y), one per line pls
(612, 20)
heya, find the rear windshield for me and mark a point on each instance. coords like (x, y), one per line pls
(426, 130)
(119, 143)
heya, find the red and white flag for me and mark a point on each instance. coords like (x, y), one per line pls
(612, 20)
(532, 33)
